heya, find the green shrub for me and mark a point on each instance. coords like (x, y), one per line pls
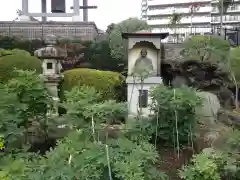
(174, 113)
(106, 82)
(210, 165)
(18, 61)
(78, 157)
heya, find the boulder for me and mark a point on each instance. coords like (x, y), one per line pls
(229, 117)
(210, 106)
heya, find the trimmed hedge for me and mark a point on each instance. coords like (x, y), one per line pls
(109, 83)
(18, 61)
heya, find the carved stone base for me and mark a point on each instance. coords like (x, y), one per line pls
(133, 87)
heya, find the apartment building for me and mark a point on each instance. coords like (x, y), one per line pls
(197, 17)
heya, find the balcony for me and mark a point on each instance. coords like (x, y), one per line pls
(160, 3)
(184, 20)
(184, 11)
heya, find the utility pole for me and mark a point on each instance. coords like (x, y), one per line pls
(85, 8)
(44, 10)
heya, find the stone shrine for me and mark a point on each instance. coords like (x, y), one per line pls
(51, 66)
(144, 66)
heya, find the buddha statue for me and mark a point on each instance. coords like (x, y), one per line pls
(143, 66)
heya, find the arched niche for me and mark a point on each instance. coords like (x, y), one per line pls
(135, 50)
(144, 44)
(135, 41)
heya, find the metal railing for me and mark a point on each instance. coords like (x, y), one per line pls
(180, 34)
(40, 31)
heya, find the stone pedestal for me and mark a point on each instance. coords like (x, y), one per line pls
(134, 85)
(51, 83)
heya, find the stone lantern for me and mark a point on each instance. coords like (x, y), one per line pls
(51, 56)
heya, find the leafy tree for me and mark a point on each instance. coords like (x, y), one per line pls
(174, 113)
(23, 103)
(175, 18)
(234, 65)
(117, 44)
(75, 54)
(110, 28)
(91, 54)
(16, 43)
(223, 6)
(194, 7)
(206, 48)
(100, 57)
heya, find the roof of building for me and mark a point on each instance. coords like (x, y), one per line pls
(50, 23)
(144, 33)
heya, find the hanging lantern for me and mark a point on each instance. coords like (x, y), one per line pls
(58, 6)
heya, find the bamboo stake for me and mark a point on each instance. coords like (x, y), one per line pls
(176, 126)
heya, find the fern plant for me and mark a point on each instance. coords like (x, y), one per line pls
(78, 157)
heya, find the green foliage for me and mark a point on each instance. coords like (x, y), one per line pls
(234, 141)
(235, 62)
(79, 100)
(206, 48)
(17, 59)
(203, 168)
(77, 157)
(99, 56)
(117, 44)
(175, 19)
(23, 101)
(105, 82)
(94, 54)
(12, 167)
(210, 165)
(16, 43)
(108, 112)
(171, 107)
(84, 103)
(31, 91)
(110, 28)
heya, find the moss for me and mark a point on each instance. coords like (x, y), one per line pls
(18, 61)
(106, 82)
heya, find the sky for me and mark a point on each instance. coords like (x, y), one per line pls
(109, 11)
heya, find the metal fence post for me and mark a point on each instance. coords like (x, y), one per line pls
(9, 31)
(225, 33)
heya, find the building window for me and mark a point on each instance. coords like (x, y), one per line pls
(214, 9)
(49, 65)
(233, 7)
(143, 98)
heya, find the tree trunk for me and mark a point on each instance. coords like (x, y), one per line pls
(221, 19)
(236, 97)
(191, 25)
(236, 91)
